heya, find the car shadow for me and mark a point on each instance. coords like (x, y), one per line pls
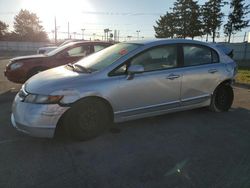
(174, 122)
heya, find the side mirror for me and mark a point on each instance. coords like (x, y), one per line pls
(134, 69)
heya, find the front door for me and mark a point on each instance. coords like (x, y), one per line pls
(154, 90)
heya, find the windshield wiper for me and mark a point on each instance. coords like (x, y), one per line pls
(71, 65)
(78, 68)
(84, 69)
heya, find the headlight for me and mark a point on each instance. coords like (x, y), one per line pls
(14, 66)
(42, 99)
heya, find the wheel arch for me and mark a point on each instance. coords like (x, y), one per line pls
(226, 82)
(103, 100)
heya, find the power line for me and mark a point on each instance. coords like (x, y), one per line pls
(106, 13)
(123, 13)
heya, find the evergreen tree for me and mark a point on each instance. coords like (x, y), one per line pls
(212, 17)
(180, 7)
(236, 18)
(165, 26)
(27, 27)
(195, 24)
(188, 23)
(3, 29)
(207, 22)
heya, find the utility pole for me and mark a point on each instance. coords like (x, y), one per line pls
(55, 32)
(109, 36)
(138, 31)
(68, 31)
(115, 35)
(244, 39)
(106, 32)
(83, 34)
(118, 35)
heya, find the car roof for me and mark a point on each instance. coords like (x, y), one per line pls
(88, 41)
(167, 41)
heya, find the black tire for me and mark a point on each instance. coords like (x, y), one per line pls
(222, 98)
(87, 119)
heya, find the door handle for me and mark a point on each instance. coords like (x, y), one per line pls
(172, 76)
(212, 71)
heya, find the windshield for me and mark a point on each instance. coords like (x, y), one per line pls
(107, 56)
(59, 49)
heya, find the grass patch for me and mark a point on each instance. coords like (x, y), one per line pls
(243, 75)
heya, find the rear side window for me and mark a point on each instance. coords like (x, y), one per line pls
(199, 55)
(215, 57)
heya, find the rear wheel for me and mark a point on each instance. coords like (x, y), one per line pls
(222, 98)
(87, 119)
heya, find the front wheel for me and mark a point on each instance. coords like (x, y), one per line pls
(87, 119)
(222, 98)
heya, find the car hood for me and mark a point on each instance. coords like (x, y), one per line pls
(28, 57)
(55, 79)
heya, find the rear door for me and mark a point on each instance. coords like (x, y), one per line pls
(201, 73)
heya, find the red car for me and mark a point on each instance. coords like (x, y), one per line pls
(21, 69)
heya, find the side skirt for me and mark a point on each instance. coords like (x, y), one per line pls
(155, 110)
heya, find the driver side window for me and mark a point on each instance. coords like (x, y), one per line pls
(158, 58)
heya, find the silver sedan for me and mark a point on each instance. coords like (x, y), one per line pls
(126, 81)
